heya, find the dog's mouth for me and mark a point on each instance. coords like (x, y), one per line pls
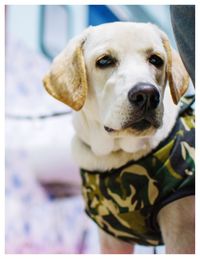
(140, 125)
(144, 123)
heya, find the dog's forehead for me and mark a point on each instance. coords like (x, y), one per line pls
(124, 35)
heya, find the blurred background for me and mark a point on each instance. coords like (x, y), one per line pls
(44, 208)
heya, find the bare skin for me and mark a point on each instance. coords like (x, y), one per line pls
(111, 245)
(177, 222)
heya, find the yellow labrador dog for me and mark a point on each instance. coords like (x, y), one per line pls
(133, 145)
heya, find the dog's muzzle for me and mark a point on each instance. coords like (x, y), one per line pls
(144, 99)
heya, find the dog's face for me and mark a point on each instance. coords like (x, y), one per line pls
(126, 77)
(117, 74)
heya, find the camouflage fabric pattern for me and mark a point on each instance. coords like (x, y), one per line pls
(124, 202)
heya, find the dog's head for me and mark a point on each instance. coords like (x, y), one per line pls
(117, 74)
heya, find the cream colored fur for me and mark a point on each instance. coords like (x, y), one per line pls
(100, 97)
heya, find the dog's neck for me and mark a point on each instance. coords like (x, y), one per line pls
(94, 149)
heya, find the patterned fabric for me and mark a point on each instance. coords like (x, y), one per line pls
(125, 202)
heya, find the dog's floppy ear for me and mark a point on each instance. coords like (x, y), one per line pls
(67, 79)
(178, 77)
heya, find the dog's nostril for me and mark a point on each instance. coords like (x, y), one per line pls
(139, 99)
(154, 101)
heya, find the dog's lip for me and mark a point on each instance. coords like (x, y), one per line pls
(141, 125)
(134, 125)
(109, 129)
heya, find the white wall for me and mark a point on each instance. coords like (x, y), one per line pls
(23, 24)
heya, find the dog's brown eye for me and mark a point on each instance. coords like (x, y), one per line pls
(106, 61)
(156, 61)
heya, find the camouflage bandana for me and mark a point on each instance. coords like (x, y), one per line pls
(125, 202)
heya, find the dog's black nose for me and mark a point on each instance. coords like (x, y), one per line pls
(144, 95)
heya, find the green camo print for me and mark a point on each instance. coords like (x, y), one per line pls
(124, 202)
